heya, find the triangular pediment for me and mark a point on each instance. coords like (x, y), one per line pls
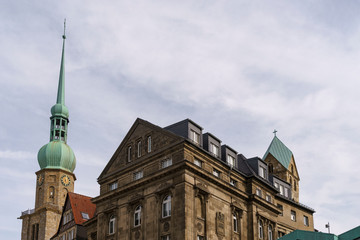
(139, 132)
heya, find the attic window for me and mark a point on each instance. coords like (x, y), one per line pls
(231, 160)
(214, 149)
(113, 186)
(195, 136)
(262, 172)
(85, 215)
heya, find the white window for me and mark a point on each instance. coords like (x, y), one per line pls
(166, 207)
(261, 230)
(166, 163)
(233, 182)
(262, 172)
(137, 216)
(138, 175)
(281, 190)
(277, 185)
(167, 237)
(139, 149)
(270, 233)
(231, 160)
(85, 215)
(129, 154)
(112, 225)
(286, 192)
(306, 221)
(149, 144)
(216, 173)
(293, 215)
(214, 149)
(235, 223)
(197, 162)
(195, 136)
(71, 235)
(268, 198)
(258, 192)
(113, 186)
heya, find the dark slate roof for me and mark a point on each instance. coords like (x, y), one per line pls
(81, 204)
(282, 153)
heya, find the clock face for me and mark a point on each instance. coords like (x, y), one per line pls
(40, 179)
(65, 180)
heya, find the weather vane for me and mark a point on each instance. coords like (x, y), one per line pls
(64, 36)
(274, 132)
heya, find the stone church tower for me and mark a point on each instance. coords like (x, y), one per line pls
(55, 177)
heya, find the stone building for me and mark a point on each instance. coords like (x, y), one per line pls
(55, 177)
(178, 183)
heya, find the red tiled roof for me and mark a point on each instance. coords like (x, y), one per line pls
(81, 204)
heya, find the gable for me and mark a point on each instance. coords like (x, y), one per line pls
(139, 132)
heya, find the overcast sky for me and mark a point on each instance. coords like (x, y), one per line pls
(240, 69)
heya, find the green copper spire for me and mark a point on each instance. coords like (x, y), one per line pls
(57, 154)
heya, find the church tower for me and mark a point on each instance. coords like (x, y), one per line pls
(55, 177)
(281, 162)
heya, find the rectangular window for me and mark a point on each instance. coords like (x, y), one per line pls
(286, 192)
(258, 192)
(214, 149)
(293, 215)
(138, 175)
(200, 237)
(216, 173)
(195, 136)
(149, 144)
(167, 237)
(233, 182)
(262, 172)
(197, 162)
(166, 163)
(231, 160)
(268, 198)
(281, 190)
(276, 185)
(71, 235)
(306, 221)
(129, 154)
(281, 208)
(113, 186)
(139, 149)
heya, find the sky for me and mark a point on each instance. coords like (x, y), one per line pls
(240, 69)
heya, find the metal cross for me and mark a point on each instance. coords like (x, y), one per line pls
(274, 132)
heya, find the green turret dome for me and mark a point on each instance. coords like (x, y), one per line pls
(60, 110)
(57, 155)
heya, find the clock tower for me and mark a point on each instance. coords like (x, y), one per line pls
(55, 177)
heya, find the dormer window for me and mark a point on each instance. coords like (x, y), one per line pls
(194, 136)
(230, 160)
(214, 149)
(262, 172)
(85, 215)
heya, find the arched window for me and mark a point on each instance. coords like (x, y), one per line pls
(166, 206)
(137, 216)
(294, 185)
(270, 233)
(235, 222)
(51, 193)
(261, 230)
(112, 225)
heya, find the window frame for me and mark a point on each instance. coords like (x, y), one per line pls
(166, 207)
(216, 173)
(129, 154)
(235, 223)
(198, 162)
(137, 216)
(293, 215)
(230, 160)
(138, 175)
(306, 221)
(195, 136)
(111, 226)
(139, 148)
(270, 233)
(214, 149)
(166, 162)
(261, 229)
(149, 144)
